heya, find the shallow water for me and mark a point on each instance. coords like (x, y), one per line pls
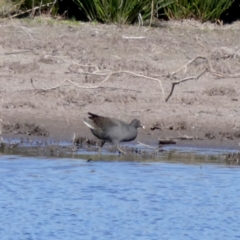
(65, 199)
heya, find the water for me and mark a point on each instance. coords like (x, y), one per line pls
(66, 199)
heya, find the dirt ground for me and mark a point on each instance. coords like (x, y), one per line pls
(38, 58)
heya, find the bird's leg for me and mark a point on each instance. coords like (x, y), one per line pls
(120, 150)
(100, 147)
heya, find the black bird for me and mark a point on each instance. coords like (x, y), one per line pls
(112, 130)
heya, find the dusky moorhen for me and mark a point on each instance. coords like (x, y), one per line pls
(112, 130)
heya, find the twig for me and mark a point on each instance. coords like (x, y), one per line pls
(27, 31)
(209, 69)
(9, 53)
(184, 80)
(52, 6)
(40, 8)
(29, 10)
(166, 141)
(152, 10)
(101, 83)
(140, 37)
(147, 77)
(235, 75)
(33, 10)
(99, 73)
(75, 84)
(190, 62)
(155, 127)
(140, 20)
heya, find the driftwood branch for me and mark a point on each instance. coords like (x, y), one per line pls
(184, 67)
(108, 74)
(99, 85)
(208, 69)
(184, 80)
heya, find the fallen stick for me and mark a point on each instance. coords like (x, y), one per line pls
(9, 53)
(102, 82)
(190, 62)
(209, 69)
(184, 80)
(166, 141)
(140, 37)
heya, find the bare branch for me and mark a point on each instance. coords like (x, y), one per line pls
(190, 62)
(131, 37)
(184, 80)
(102, 82)
(29, 10)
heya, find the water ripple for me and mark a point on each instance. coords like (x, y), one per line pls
(72, 199)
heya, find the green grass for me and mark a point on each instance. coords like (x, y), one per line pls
(120, 11)
(126, 11)
(202, 10)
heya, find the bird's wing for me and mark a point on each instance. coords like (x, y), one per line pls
(102, 122)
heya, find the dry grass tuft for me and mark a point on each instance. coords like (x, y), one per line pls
(7, 8)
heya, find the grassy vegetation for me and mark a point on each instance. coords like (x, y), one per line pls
(29, 4)
(126, 11)
(120, 11)
(7, 7)
(12, 7)
(202, 10)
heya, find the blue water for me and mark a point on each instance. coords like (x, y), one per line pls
(65, 199)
